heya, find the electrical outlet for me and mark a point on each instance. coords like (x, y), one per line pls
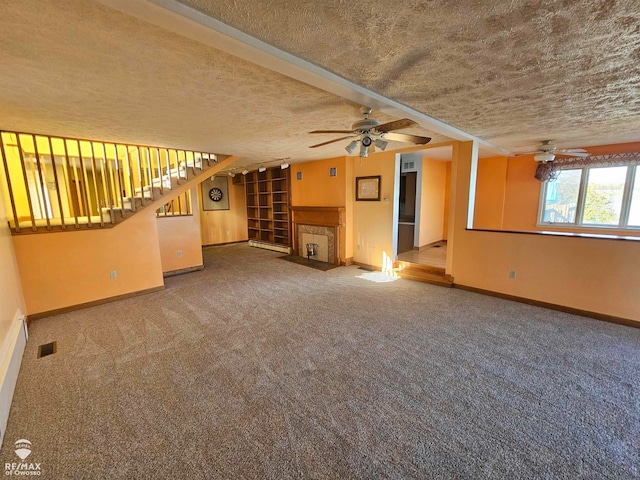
(179, 253)
(512, 274)
(113, 274)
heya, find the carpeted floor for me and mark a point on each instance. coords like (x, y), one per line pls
(308, 262)
(257, 368)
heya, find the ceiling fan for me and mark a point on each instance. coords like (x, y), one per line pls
(370, 133)
(547, 151)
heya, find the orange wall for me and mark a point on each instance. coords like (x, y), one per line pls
(588, 274)
(59, 270)
(490, 193)
(224, 226)
(349, 200)
(179, 239)
(522, 193)
(447, 197)
(11, 300)
(432, 201)
(317, 188)
(373, 221)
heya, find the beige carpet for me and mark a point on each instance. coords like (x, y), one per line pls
(259, 368)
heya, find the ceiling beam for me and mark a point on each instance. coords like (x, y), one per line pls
(175, 17)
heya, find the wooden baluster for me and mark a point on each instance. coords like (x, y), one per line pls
(55, 179)
(43, 185)
(95, 184)
(179, 205)
(16, 222)
(140, 174)
(187, 201)
(26, 183)
(87, 192)
(75, 175)
(132, 193)
(150, 172)
(193, 163)
(160, 171)
(177, 167)
(107, 179)
(119, 183)
(168, 168)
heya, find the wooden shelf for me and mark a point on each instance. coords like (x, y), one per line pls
(267, 195)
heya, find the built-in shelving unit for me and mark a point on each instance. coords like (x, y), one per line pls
(268, 206)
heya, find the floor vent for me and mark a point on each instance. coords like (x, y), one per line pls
(47, 349)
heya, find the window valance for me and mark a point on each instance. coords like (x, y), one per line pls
(550, 170)
(612, 160)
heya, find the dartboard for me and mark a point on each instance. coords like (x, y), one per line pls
(215, 194)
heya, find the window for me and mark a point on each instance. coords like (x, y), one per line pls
(601, 197)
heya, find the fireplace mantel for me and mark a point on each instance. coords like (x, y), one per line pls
(332, 217)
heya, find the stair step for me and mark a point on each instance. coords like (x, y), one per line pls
(418, 267)
(423, 273)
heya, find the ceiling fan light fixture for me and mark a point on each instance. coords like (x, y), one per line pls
(381, 144)
(366, 141)
(544, 157)
(351, 148)
(364, 151)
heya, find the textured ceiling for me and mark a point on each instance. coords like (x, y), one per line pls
(512, 73)
(99, 74)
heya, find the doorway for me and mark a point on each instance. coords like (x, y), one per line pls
(407, 212)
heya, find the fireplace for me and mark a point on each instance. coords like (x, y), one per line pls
(323, 226)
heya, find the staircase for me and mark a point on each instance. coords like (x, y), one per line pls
(57, 184)
(423, 273)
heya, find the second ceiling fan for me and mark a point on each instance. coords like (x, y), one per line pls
(369, 133)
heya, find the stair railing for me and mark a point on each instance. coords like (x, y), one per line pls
(55, 183)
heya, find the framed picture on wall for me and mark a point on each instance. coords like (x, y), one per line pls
(368, 188)
(215, 193)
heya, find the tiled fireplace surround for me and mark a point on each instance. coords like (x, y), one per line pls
(324, 221)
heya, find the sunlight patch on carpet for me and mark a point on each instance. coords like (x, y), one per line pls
(377, 277)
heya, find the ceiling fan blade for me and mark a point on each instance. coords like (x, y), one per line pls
(331, 141)
(572, 154)
(332, 131)
(571, 150)
(404, 137)
(396, 125)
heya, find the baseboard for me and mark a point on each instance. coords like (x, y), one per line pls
(347, 261)
(10, 360)
(173, 273)
(102, 301)
(224, 243)
(270, 246)
(553, 306)
(429, 245)
(368, 267)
